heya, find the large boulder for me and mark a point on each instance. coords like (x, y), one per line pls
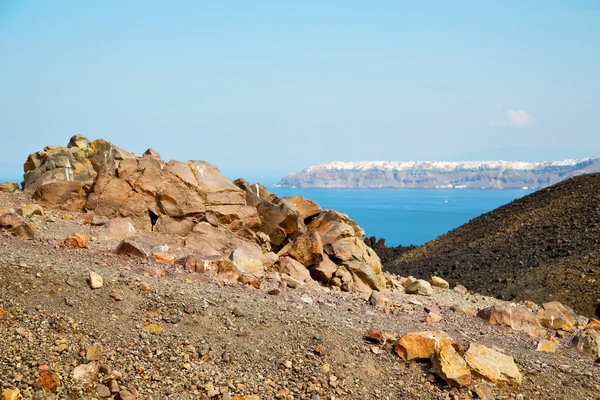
(554, 315)
(420, 345)
(492, 365)
(306, 208)
(450, 366)
(517, 318)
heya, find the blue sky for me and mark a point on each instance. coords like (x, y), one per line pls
(267, 87)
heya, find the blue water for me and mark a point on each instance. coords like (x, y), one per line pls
(408, 216)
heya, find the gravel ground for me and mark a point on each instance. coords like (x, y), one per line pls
(222, 340)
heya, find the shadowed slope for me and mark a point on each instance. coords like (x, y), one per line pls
(545, 246)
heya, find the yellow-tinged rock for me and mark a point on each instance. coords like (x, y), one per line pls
(436, 281)
(96, 280)
(547, 346)
(76, 241)
(165, 258)
(32, 209)
(449, 365)
(49, 381)
(92, 353)
(420, 345)
(593, 325)
(153, 328)
(554, 315)
(492, 365)
(249, 397)
(10, 394)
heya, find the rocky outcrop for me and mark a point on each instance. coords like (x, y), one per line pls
(216, 218)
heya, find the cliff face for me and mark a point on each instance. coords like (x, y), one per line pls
(432, 174)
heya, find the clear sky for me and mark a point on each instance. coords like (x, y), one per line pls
(269, 87)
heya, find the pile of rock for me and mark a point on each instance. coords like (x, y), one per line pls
(221, 221)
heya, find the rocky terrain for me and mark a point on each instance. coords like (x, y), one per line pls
(542, 247)
(436, 174)
(102, 297)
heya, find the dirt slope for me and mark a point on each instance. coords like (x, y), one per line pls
(231, 340)
(545, 246)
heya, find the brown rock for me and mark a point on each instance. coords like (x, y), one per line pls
(164, 258)
(554, 315)
(64, 195)
(374, 335)
(294, 269)
(133, 248)
(460, 289)
(307, 208)
(174, 226)
(280, 221)
(517, 318)
(126, 395)
(49, 381)
(117, 229)
(76, 241)
(420, 345)
(449, 365)
(307, 249)
(324, 271)
(145, 287)
(10, 220)
(496, 367)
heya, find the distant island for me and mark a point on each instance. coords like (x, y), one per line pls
(440, 174)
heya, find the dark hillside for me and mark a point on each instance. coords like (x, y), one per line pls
(545, 246)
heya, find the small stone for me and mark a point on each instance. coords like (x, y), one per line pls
(547, 346)
(11, 394)
(99, 220)
(377, 300)
(113, 386)
(460, 289)
(92, 353)
(164, 258)
(463, 310)
(432, 317)
(589, 342)
(86, 373)
(274, 292)
(103, 391)
(145, 287)
(49, 381)
(436, 281)
(116, 296)
(62, 347)
(374, 335)
(32, 209)
(420, 287)
(307, 299)
(153, 328)
(126, 395)
(76, 241)
(288, 364)
(96, 280)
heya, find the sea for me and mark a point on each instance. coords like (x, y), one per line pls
(408, 216)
